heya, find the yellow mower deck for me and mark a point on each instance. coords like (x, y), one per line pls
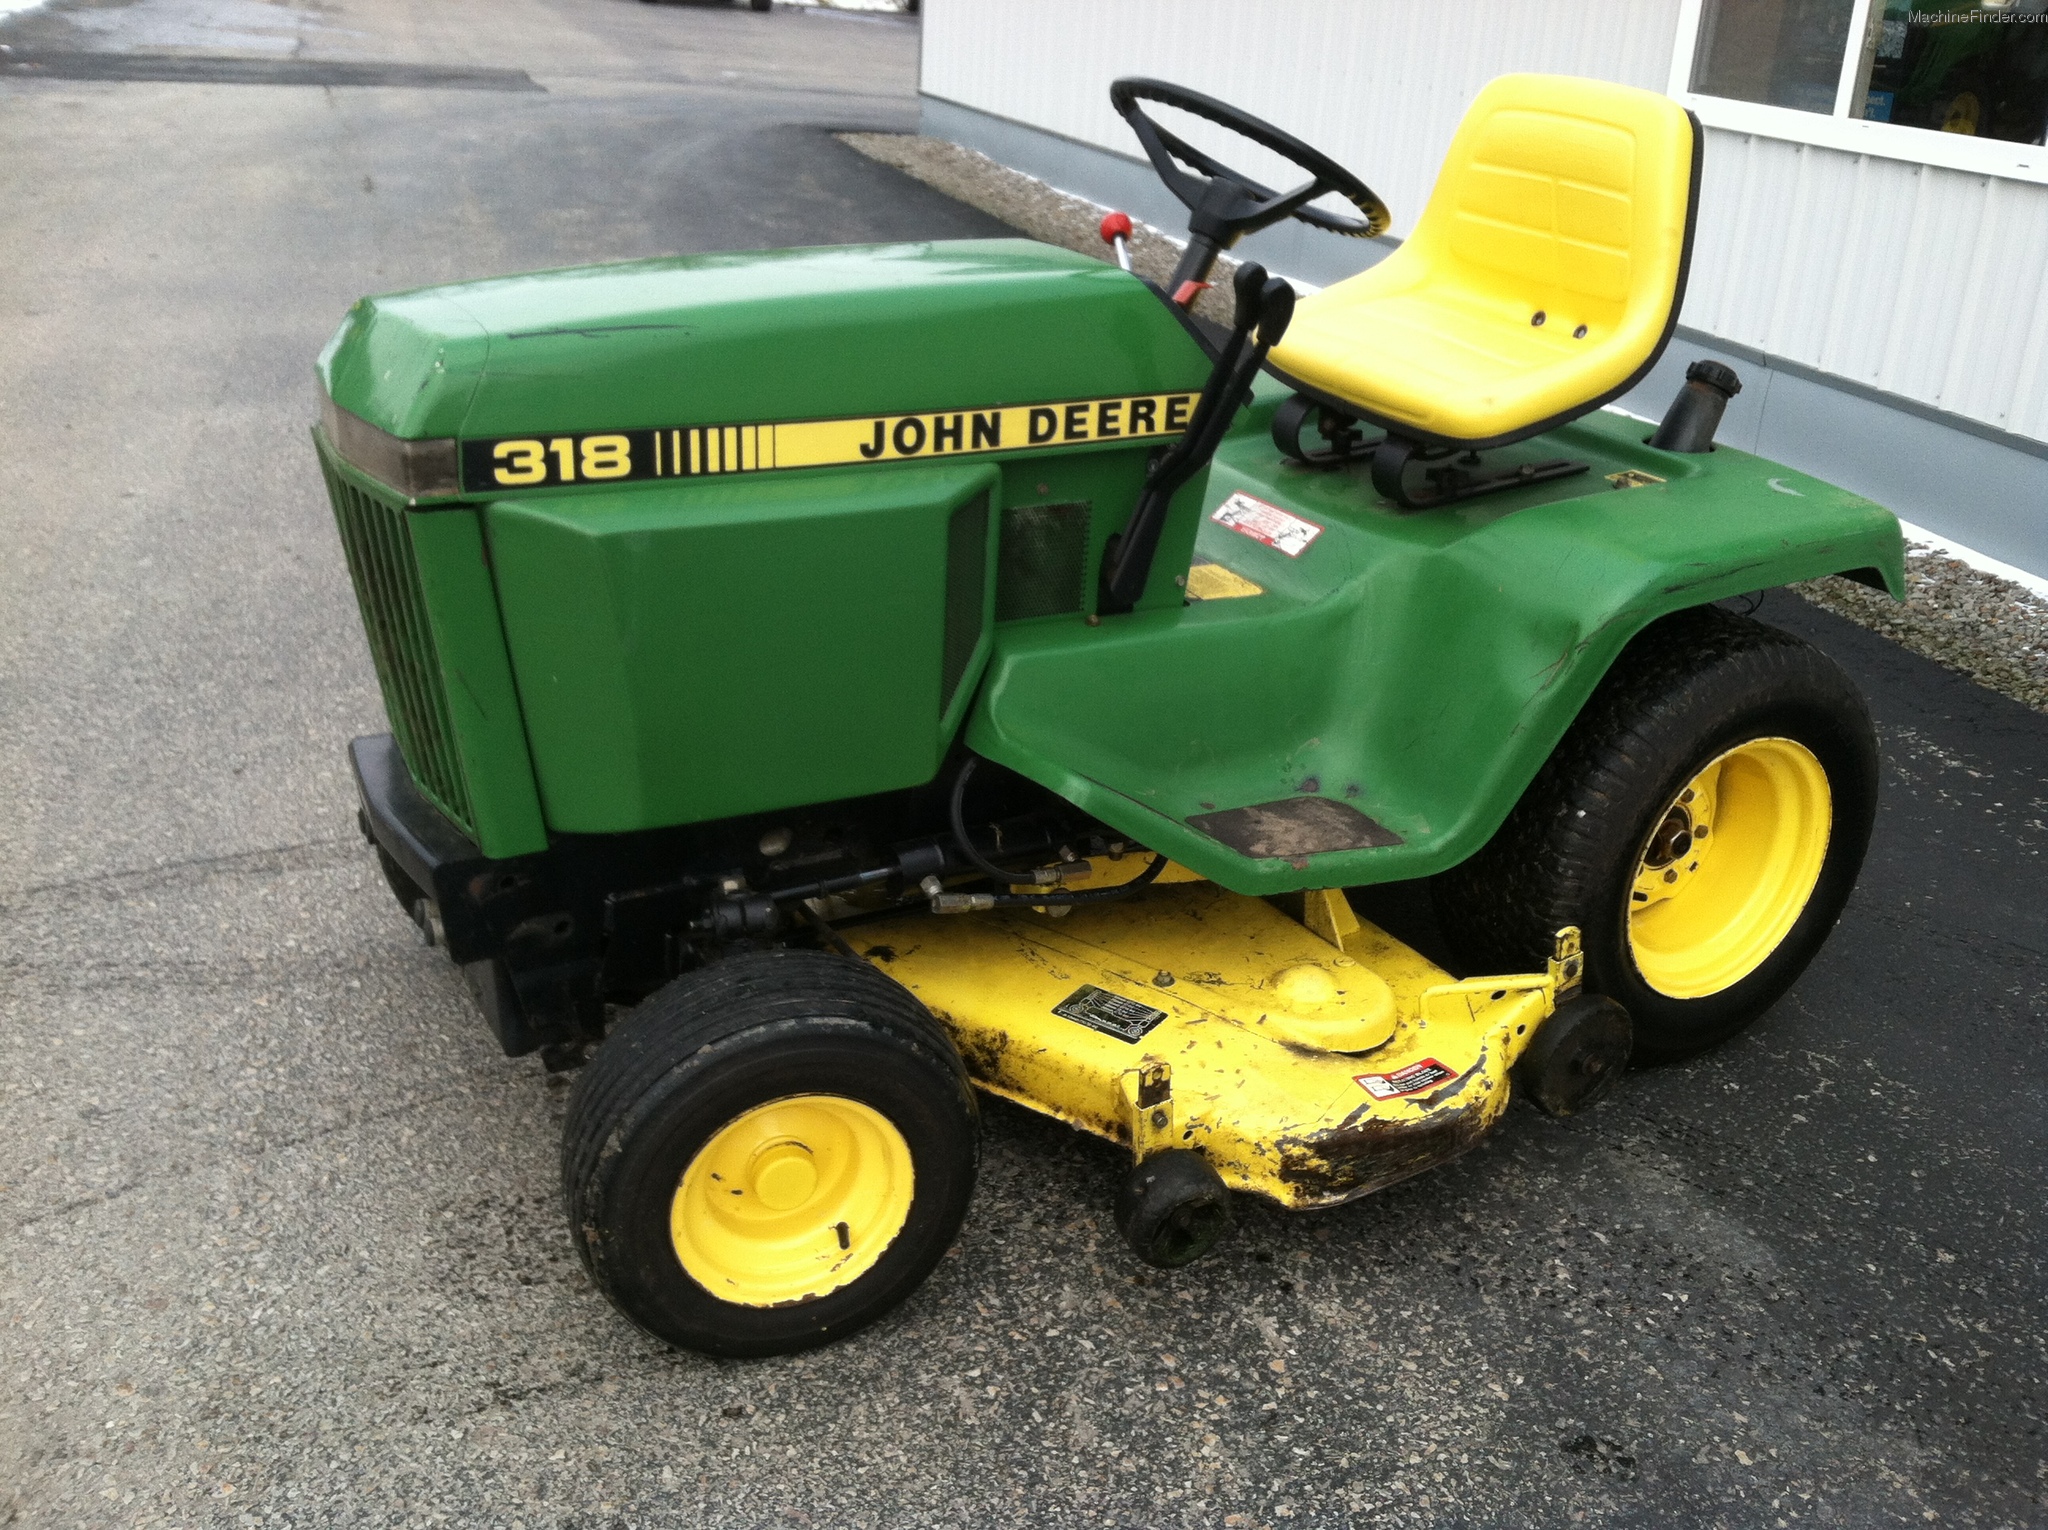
(1308, 1063)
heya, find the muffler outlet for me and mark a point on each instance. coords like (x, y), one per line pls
(1689, 424)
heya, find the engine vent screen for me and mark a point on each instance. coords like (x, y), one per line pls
(1043, 558)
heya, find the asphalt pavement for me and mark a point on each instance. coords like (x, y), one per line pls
(282, 1234)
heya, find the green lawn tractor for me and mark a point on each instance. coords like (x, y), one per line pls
(828, 683)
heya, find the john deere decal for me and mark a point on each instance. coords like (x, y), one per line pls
(695, 451)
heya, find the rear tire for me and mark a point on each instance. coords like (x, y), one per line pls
(1696, 925)
(769, 1154)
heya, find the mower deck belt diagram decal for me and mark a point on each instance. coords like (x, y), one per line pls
(1110, 1013)
(696, 451)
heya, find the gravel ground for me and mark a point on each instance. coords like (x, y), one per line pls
(1990, 629)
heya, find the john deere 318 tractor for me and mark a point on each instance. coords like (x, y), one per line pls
(827, 683)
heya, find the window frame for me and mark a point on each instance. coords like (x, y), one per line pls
(1839, 130)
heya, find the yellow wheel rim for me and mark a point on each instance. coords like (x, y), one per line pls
(1729, 867)
(791, 1200)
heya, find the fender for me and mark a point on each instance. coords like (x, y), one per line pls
(1377, 707)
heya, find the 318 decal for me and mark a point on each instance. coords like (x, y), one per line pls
(692, 451)
(561, 459)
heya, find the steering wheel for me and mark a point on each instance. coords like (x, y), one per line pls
(1224, 204)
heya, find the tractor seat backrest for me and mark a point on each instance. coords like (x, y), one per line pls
(1543, 210)
(1542, 279)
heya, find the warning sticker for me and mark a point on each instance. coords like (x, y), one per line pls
(1266, 523)
(1421, 1075)
(1212, 581)
(1633, 478)
(1110, 1013)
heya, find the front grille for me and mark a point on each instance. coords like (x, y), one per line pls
(387, 580)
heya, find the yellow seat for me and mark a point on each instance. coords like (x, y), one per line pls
(1542, 280)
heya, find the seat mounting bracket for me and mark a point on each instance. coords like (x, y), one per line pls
(1343, 440)
(1462, 477)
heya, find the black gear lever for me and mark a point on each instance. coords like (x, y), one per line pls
(1265, 306)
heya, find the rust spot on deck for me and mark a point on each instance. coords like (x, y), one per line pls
(1364, 1152)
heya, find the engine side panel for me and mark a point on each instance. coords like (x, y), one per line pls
(694, 652)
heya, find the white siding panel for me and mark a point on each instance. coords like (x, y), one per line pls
(1379, 84)
(2030, 408)
(1919, 281)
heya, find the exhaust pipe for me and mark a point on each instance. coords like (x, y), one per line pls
(1689, 424)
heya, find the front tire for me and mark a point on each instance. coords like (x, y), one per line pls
(1703, 823)
(769, 1154)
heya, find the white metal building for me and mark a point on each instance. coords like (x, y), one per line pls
(1872, 249)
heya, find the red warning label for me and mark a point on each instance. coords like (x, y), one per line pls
(1266, 523)
(1422, 1075)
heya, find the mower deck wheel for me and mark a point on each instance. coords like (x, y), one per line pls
(769, 1153)
(1578, 1056)
(1173, 1208)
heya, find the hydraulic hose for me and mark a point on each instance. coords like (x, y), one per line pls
(989, 868)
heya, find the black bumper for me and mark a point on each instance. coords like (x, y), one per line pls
(527, 934)
(443, 862)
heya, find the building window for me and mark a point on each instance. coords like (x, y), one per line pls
(1773, 52)
(1961, 67)
(1962, 83)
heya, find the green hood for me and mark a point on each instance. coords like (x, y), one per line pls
(714, 339)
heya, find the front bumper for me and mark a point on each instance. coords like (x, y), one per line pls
(466, 887)
(527, 931)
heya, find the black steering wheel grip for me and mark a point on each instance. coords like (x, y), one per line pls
(1168, 153)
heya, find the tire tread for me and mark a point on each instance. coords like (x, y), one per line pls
(677, 1026)
(1500, 910)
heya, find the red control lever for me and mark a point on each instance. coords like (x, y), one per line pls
(1116, 231)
